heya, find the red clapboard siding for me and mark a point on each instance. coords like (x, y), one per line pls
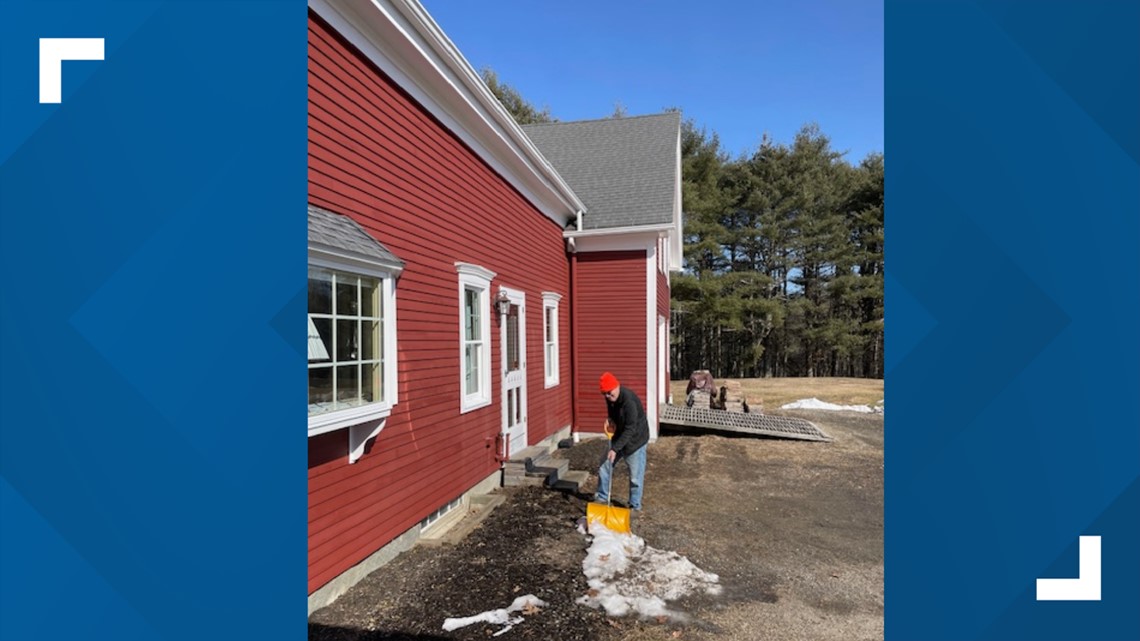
(376, 155)
(612, 310)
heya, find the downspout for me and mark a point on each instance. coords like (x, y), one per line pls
(574, 334)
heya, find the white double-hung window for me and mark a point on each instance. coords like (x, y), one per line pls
(351, 324)
(474, 336)
(550, 337)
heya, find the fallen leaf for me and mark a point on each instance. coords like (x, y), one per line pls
(604, 557)
(662, 618)
(529, 609)
(591, 593)
(517, 588)
(676, 634)
(614, 624)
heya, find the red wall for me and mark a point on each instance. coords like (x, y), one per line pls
(611, 328)
(377, 156)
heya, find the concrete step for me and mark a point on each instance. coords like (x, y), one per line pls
(546, 466)
(570, 482)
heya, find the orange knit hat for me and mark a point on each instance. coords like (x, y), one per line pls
(608, 382)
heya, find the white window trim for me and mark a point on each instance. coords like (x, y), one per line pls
(550, 301)
(479, 278)
(340, 419)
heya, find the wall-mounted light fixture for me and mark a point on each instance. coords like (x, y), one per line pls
(502, 303)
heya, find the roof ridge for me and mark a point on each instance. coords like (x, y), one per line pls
(608, 118)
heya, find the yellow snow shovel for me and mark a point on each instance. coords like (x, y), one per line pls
(615, 519)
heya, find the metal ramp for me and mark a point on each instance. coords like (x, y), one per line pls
(755, 424)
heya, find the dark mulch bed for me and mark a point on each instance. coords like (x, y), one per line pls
(794, 529)
(413, 595)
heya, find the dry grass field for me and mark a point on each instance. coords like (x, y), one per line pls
(774, 392)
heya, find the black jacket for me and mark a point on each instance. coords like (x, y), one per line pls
(631, 428)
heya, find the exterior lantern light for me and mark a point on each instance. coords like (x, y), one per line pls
(502, 303)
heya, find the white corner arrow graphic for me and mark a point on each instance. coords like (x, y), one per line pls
(1086, 587)
(53, 51)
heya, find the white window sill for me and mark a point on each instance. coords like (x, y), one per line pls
(551, 383)
(473, 404)
(341, 419)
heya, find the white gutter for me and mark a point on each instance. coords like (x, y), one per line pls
(438, 40)
(660, 230)
(403, 40)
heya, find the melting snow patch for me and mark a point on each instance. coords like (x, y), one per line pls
(626, 575)
(816, 404)
(528, 604)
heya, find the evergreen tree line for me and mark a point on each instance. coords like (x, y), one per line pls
(783, 271)
(783, 260)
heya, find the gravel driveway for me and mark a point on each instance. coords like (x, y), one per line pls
(794, 529)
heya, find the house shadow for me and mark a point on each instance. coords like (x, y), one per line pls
(322, 632)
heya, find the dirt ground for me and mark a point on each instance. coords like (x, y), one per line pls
(793, 528)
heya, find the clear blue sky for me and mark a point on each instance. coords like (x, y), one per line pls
(739, 68)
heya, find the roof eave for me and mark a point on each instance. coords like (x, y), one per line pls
(659, 230)
(407, 44)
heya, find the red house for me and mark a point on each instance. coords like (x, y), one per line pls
(468, 280)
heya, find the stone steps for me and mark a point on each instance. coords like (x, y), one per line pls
(536, 466)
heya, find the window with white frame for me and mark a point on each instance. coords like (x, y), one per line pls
(351, 341)
(474, 336)
(352, 328)
(550, 336)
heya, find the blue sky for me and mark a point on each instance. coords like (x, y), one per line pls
(737, 68)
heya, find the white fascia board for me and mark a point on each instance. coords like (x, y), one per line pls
(402, 39)
(656, 231)
(626, 242)
(337, 257)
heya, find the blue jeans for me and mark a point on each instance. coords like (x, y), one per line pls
(636, 463)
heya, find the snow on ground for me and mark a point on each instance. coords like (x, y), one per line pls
(528, 604)
(627, 576)
(816, 404)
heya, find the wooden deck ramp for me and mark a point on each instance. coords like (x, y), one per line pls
(741, 423)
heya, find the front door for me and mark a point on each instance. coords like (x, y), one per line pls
(513, 337)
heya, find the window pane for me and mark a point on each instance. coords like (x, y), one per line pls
(471, 376)
(371, 347)
(320, 291)
(347, 340)
(323, 352)
(513, 339)
(472, 329)
(370, 292)
(317, 347)
(320, 390)
(346, 294)
(550, 360)
(347, 386)
(372, 382)
(549, 324)
(510, 408)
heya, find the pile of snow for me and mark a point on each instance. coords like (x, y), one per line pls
(527, 604)
(626, 575)
(816, 404)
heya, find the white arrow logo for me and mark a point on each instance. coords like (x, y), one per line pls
(53, 51)
(1086, 587)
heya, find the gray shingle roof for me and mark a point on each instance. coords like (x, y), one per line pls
(623, 169)
(335, 230)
